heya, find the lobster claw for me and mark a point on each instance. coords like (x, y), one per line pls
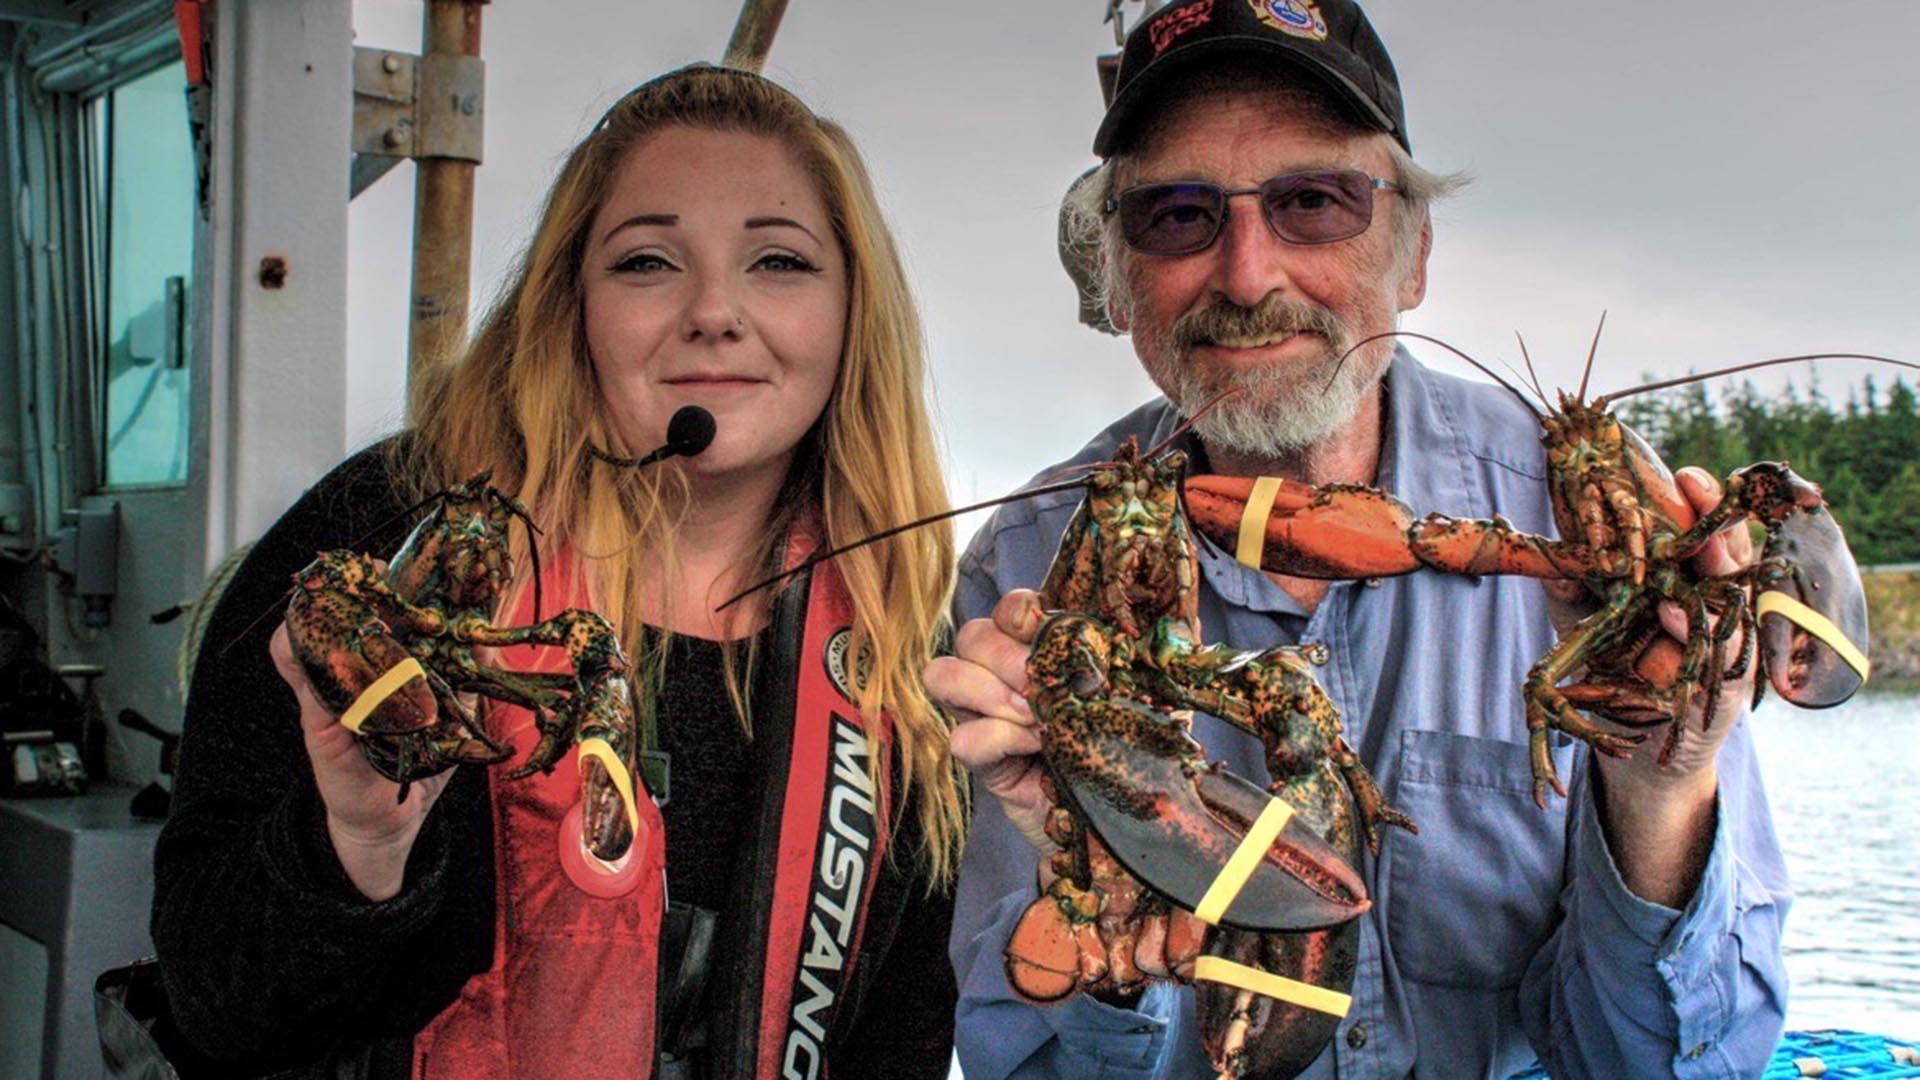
(1317, 532)
(1178, 827)
(1813, 621)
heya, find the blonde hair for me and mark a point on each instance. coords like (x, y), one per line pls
(524, 401)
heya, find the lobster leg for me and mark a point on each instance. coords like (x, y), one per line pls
(1548, 708)
(1273, 696)
(1072, 585)
(1706, 656)
(597, 713)
(1374, 811)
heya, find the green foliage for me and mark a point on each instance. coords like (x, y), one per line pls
(1865, 454)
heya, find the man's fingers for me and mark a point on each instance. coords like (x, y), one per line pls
(1673, 619)
(963, 686)
(1731, 548)
(987, 644)
(985, 743)
(1019, 615)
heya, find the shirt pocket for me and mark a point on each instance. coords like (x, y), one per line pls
(1475, 894)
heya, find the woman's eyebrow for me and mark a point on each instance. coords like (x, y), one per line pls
(765, 222)
(642, 219)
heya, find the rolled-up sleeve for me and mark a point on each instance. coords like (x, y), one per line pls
(1626, 987)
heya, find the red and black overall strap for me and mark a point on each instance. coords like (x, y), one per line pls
(814, 851)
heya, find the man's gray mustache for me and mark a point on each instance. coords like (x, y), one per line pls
(1225, 319)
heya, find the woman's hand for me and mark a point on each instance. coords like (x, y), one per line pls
(995, 735)
(371, 828)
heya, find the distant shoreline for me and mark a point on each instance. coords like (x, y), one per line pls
(1893, 621)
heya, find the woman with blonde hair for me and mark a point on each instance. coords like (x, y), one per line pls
(711, 243)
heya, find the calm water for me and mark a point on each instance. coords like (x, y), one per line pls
(1844, 784)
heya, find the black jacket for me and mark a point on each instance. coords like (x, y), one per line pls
(274, 961)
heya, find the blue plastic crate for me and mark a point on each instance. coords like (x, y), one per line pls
(1847, 1054)
(1836, 1054)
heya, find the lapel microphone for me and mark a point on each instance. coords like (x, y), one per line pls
(689, 432)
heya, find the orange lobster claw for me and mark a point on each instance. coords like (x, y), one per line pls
(1338, 531)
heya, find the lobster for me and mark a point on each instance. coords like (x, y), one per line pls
(389, 648)
(1166, 865)
(1627, 535)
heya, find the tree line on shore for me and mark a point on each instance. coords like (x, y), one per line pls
(1865, 454)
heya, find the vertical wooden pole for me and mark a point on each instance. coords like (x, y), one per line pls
(443, 213)
(753, 34)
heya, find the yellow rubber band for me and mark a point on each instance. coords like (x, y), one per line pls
(617, 769)
(1253, 523)
(1233, 876)
(1774, 602)
(383, 688)
(1267, 984)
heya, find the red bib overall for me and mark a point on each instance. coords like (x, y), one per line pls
(572, 988)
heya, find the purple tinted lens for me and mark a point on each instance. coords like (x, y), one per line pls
(1170, 219)
(1318, 207)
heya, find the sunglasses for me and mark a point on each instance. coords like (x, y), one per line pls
(1185, 216)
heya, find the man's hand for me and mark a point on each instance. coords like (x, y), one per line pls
(994, 735)
(1659, 819)
(1692, 762)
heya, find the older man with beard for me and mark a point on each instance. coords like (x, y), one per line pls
(1258, 213)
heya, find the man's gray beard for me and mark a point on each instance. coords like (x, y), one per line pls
(1278, 413)
(1281, 410)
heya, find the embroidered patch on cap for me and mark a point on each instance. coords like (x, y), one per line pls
(1301, 18)
(1177, 21)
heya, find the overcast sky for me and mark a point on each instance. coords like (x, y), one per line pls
(1731, 180)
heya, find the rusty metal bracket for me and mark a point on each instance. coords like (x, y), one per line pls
(407, 106)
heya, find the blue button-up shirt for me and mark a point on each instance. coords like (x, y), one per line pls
(1501, 931)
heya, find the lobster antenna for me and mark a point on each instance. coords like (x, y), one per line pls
(1513, 371)
(815, 560)
(1483, 369)
(1684, 379)
(533, 550)
(1532, 374)
(1187, 424)
(1592, 351)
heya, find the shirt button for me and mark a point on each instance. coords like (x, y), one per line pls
(1357, 1036)
(1695, 1053)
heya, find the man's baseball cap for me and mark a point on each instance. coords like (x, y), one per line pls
(1329, 39)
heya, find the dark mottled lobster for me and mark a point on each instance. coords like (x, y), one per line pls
(1168, 865)
(389, 650)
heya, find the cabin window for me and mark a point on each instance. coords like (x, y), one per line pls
(144, 210)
